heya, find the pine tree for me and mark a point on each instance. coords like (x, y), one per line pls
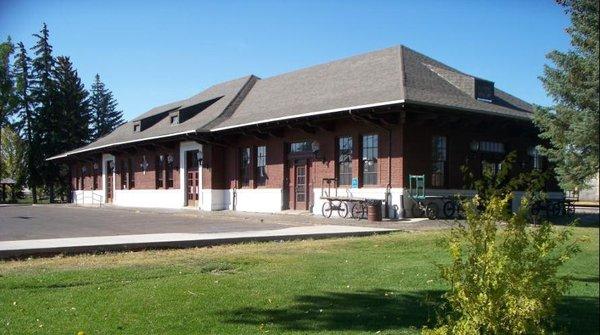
(571, 126)
(105, 116)
(46, 137)
(25, 115)
(7, 101)
(72, 102)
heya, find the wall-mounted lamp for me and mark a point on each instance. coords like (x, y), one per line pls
(200, 157)
(95, 166)
(315, 147)
(474, 146)
(144, 164)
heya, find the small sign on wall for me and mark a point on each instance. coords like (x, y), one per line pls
(354, 182)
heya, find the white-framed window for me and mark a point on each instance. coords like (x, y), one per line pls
(536, 158)
(439, 157)
(345, 160)
(488, 146)
(370, 155)
(261, 165)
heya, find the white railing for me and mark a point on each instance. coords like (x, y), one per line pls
(93, 198)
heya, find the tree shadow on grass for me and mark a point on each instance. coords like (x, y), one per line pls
(578, 315)
(381, 309)
(372, 310)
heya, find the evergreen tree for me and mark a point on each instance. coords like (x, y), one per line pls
(47, 123)
(571, 126)
(7, 100)
(72, 102)
(105, 116)
(25, 115)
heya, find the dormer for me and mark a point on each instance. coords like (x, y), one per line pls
(476, 88)
(484, 90)
(174, 118)
(137, 126)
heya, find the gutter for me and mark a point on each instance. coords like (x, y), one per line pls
(70, 153)
(327, 111)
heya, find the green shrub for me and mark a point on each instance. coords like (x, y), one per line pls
(503, 277)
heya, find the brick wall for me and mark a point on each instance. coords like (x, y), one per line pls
(410, 152)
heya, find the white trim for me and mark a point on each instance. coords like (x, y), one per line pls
(106, 158)
(183, 147)
(118, 143)
(311, 114)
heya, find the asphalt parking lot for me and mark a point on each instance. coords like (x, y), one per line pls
(26, 222)
(60, 221)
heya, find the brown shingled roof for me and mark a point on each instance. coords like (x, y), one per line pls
(388, 76)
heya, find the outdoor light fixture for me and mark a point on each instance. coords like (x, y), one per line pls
(474, 146)
(84, 169)
(170, 159)
(315, 147)
(200, 157)
(144, 164)
(95, 166)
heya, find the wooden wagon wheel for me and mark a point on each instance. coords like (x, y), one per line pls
(358, 210)
(342, 209)
(326, 209)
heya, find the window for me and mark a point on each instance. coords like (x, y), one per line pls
(137, 127)
(298, 147)
(486, 146)
(169, 171)
(261, 165)
(76, 173)
(439, 157)
(174, 119)
(124, 174)
(131, 164)
(345, 160)
(159, 168)
(244, 167)
(83, 173)
(95, 172)
(370, 152)
(536, 158)
(490, 169)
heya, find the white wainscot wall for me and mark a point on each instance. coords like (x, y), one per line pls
(88, 197)
(170, 198)
(260, 200)
(395, 201)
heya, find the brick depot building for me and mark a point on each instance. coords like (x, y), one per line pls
(265, 145)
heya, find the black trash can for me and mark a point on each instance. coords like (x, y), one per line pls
(374, 210)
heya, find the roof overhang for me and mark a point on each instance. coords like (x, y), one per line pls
(520, 116)
(79, 151)
(297, 116)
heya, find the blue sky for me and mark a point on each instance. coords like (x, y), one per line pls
(152, 52)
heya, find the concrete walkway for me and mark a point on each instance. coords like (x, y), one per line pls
(46, 247)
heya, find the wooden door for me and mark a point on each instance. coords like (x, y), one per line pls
(192, 183)
(300, 185)
(110, 169)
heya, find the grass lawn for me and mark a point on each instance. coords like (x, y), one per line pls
(387, 284)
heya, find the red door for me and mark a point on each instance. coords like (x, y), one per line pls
(191, 159)
(110, 169)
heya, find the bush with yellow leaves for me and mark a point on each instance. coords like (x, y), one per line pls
(503, 273)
